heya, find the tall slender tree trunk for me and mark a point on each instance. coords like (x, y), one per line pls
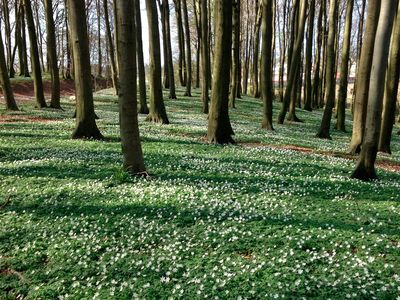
(69, 67)
(266, 64)
(143, 109)
(256, 88)
(157, 112)
(344, 69)
(391, 91)
(309, 48)
(114, 71)
(130, 139)
(86, 127)
(294, 65)
(189, 76)
(324, 131)
(164, 11)
(5, 80)
(35, 60)
(99, 50)
(181, 42)
(363, 77)
(52, 55)
(219, 126)
(236, 54)
(317, 78)
(365, 169)
(205, 56)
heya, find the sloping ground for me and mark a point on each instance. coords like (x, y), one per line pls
(275, 217)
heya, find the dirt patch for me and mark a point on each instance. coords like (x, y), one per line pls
(24, 119)
(384, 164)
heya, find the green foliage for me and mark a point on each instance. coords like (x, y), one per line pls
(252, 221)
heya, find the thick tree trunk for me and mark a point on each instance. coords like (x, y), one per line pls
(324, 131)
(52, 55)
(309, 48)
(86, 127)
(205, 56)
(157, 112)
(344, 69)
(391, 91)
(189, 77)
(114, 72)
(363, 77)
(365, 169)
(164, 11)
(130, 139)
(219, 127)
(294, 65)
(5, 80)
(35, 60)
(143, 109)
(69, 67)
(266, 64)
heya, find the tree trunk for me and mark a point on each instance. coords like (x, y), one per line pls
(188, 91)
(219, 127)
(365, 169)
(266, 64)
(236, 54)
(308, 71)
(317, 76)
(52, 55)
(86, 127)
(295, 62)
(181, 43)
(143, 109)
(69, 67)
(344, 69)
(35, 60)
(157, 112)
(363, 77)
(114, 72)
(205, 56)
(164, 10)
(5, 80)
(330, 88)
(100, 55)
(130, 139)
(391, 91)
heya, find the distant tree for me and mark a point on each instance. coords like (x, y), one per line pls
(35, 59)
(363, 77)
(85, 116)
(20, 39)
(324, 131)
(365, 169)
(5, 80)
(391, 91)
(266, 64)
(189, 76)
(131, 146)
(157, 112)
(181, 42)
(52, 55)
(219, 126)
(205, 56)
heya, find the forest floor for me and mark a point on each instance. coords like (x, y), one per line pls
(274, 217)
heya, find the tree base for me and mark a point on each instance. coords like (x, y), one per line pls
(354, 149)
(87, 132)
(281, 118)
(294, 118)
(221, 140)
(55, 106)
(385, 149)
(157, 118)
(363, 173)
(144, 110)
(267, 125)
(323, 135)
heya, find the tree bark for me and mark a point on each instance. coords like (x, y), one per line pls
(219, 127)
(52, 55)
(189, 77)
(205, 56)
(309, 48)
(86, 127)
(181, 42)
(130, 139)
(157, 112)
(365, 169)
(5, 80)
(236, 54)
(363, 77)
(391, 91)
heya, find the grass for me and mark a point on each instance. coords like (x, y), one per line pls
(253, 221)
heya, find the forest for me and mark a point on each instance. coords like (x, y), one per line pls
(199, 149)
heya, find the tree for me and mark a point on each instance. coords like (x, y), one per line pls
(294, 63)
(391, 91)
(52, 55)
(205, 56)
(219, 126)
(140, 60)
(266, 64)
(85, 116)
(235, 84)
(363, 77)
(131, 146)
(181, 42)
(365, 169)
(344, 69)
(189, 77)
(5, 80)
(324, 131)
(308, 68)
(157, 112)
(35, 60)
